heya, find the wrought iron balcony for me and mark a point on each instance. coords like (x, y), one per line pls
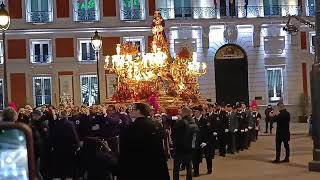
(39, 16)
(236, 11)
(311, 10)
(129, 14)
(86, 15)
(87, 57)
(39, 59)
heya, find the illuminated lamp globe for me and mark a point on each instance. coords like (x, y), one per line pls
(4, 18)
(96, 41)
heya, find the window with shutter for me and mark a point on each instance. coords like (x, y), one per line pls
(85, 50)
(40, 51)
(42, 90)
(86, 10)
(132, 10)
(89, 89)
(39, 11)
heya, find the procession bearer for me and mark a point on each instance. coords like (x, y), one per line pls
(232, 128)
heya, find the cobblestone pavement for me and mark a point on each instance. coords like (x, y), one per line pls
(255, 163)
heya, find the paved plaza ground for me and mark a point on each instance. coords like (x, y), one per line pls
(255, 163)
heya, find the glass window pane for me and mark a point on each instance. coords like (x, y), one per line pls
(84, 55)
(84, 90)
(37, 87)
(47, 86)
(44, 5)
(92, 52)
(94, 90)
(37, 49)
(45, 49)
(34, 5)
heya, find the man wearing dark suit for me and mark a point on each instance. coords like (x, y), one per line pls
(184, 134)
(65, 142)
(141, 152)
(269, 123)
(203, 143)
(283, 132)
(232, 129)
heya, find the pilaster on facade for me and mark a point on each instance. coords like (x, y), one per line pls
(205, 39)
(256, 35)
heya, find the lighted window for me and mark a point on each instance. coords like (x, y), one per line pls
(89, 89)
(132, 10)
(275, 84)
(137, 40)
(42, 90)
(86, 10)
(39, 11)
(40, 51)
(85, 50)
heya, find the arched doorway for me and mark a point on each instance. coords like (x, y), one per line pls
(231, 74)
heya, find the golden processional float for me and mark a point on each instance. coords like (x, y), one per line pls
(156, 77)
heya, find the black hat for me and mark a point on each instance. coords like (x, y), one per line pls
(228, 105)
(197, 108)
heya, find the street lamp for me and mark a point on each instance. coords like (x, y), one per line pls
(4, 25)
(315, 98)
(96, 42)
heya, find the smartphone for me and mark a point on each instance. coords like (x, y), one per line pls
(16, 152)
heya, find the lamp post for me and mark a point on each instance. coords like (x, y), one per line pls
(96, 42)
(4, 25)
(315, 97)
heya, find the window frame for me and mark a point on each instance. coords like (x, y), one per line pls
(96, 9)
(142, 9)
(28, 11)
(42, 89)
(33, 42)
(282, 82)
(140, 39)
(87, 76)
(79, 48)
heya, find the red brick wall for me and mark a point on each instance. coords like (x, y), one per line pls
(109, 45)
(18, 89)
(15, 8)
(109, 8)
(64, 47)
(63, 8)
(16, 49)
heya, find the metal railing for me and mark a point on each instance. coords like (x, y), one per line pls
(39, 16)
(311, 10)
(88, 57)
(86, 15)
(235, 11)
(41, 59)
(132, 14)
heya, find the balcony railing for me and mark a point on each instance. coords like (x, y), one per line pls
(39, 16)
(41, 59)
(236, 11)
(311, 10)
(128, 14)
(86, 15)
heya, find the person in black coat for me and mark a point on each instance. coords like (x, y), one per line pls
(203, 142)
(141, 153)
(65, 143)
(269, 123)
(283, 132)
(184, 134)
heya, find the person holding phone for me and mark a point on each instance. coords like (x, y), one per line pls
(282, 118)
